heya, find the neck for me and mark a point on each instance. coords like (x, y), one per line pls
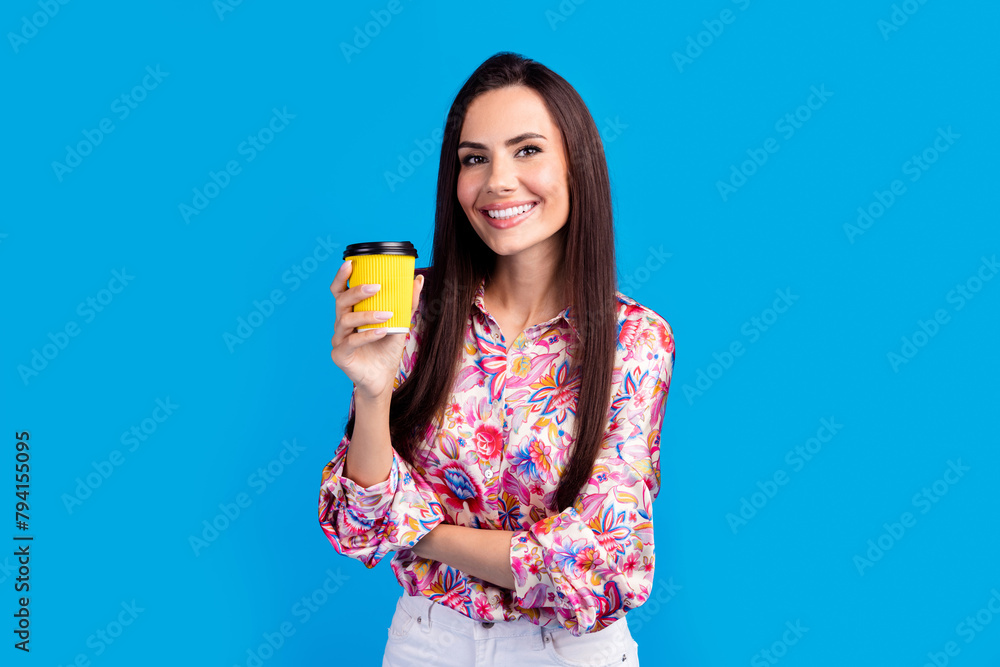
(530, 286)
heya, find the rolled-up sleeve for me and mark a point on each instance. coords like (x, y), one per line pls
(594, 560)
(366, 523)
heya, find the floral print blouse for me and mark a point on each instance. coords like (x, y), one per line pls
(492, 459)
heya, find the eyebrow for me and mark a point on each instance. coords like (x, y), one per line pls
(510, 142)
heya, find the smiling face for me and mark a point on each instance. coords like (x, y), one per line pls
(513, 178)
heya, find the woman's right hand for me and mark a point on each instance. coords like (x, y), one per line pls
(370, 358)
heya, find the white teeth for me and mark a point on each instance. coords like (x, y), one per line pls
(509, 212)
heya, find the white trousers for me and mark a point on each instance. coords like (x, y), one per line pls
(425, 633)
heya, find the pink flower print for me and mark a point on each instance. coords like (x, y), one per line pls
(451, 589)
(627, 334)
(558, 390)
(543, 527)
(628, 567)
(517, 568)
(576, 557)
(489, 441)
(611, 531)
(647, 338)
(534, 597)
(483, 608)
(630, 385)
(529, 369)
(610, 601)
(494, 365)
(531, 460)
(391, 530)
(355, 524)
(665, 339)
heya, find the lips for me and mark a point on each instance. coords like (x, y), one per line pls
(505, 215)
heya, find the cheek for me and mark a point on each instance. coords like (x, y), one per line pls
(466, 191)
(550, 181)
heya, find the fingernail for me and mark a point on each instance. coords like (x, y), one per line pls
(347, 262)
(371, 289)
(383, 314)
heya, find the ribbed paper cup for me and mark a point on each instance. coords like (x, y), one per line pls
(391, 265)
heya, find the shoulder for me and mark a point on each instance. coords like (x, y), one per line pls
(636, 321)
(645, 341)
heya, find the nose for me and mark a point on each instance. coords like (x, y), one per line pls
(503, 177)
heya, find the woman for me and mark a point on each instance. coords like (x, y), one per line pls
(506, 449)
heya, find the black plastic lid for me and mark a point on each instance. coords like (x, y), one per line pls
(381, 248)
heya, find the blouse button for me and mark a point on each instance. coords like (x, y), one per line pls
(489, 473)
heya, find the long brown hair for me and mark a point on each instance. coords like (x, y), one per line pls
(461, 260)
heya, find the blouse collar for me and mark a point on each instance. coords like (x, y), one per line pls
(565, 315)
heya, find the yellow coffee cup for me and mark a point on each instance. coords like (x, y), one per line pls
(391, 265)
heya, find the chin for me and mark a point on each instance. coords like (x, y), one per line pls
(505, 249)
(513, 247)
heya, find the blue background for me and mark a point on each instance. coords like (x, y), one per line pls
(673, 130)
